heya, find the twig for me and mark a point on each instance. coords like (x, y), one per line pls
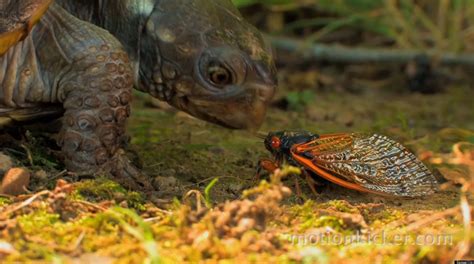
(211, 178)
(53, 245)
(95, 206)
(432, 218)
(14, 151)
(199, 198)
(153, 219)
(60, 174)
(7, 196)
(335, 53)
(465, 245)
(24, 203)
(28, 153)
(423, 222)
(162, 211)
(78, 242)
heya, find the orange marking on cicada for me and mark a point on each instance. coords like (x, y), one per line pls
(268, 165)
(334, 135)
(338, 139)
(308, 164)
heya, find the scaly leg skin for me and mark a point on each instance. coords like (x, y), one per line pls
(96, 93)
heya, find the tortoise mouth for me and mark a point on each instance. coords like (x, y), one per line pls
(230, 114)
(186, 105)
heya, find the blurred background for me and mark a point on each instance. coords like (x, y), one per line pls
(397, 64)
(408, 37)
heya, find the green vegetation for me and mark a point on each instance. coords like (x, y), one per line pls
(104, 189)
(426, 25)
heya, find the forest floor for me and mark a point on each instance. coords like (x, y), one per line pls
(236, 218)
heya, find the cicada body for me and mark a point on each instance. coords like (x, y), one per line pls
(366, 163)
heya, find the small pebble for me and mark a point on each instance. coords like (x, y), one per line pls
(6, 248)
(123, 204)
(6, 163)
(235, 187)
(166, 182)
(168, 173)
(41, 175)
(119, 196)
(216, 150)
(89, 258)
(15, 181)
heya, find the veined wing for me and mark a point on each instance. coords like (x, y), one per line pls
(373, 162)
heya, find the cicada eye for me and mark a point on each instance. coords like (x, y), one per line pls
(219, 75)
(275, 143)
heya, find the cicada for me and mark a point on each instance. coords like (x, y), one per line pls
(364, 162)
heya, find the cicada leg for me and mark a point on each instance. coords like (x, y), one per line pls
(317, 184)
(309, 180)
(270, 166)
(267, 165)
(299, 193)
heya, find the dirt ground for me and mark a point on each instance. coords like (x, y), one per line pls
(236, 217)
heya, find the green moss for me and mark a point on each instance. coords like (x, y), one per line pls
(40, 157)
(385, 216)
(308, 217)
(304, 209)
(39, 219)
(327, 220)
(32, 251)
(340, 205)
(43, 235)
(97, 189)
(5, 201)
(101, 189)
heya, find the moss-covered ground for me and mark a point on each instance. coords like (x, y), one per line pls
(239, 219)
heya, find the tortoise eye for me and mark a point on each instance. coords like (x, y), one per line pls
(275, 143)
(219, 76)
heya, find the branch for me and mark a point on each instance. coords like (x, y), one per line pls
(335, 53)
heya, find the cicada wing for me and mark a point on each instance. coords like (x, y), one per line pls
(374, 162)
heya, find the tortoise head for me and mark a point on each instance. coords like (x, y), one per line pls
(203, 58)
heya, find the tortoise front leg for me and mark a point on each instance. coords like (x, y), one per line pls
(97, 93)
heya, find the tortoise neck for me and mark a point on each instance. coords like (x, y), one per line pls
(123, 18)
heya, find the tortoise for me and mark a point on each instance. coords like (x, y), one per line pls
(79, 60)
